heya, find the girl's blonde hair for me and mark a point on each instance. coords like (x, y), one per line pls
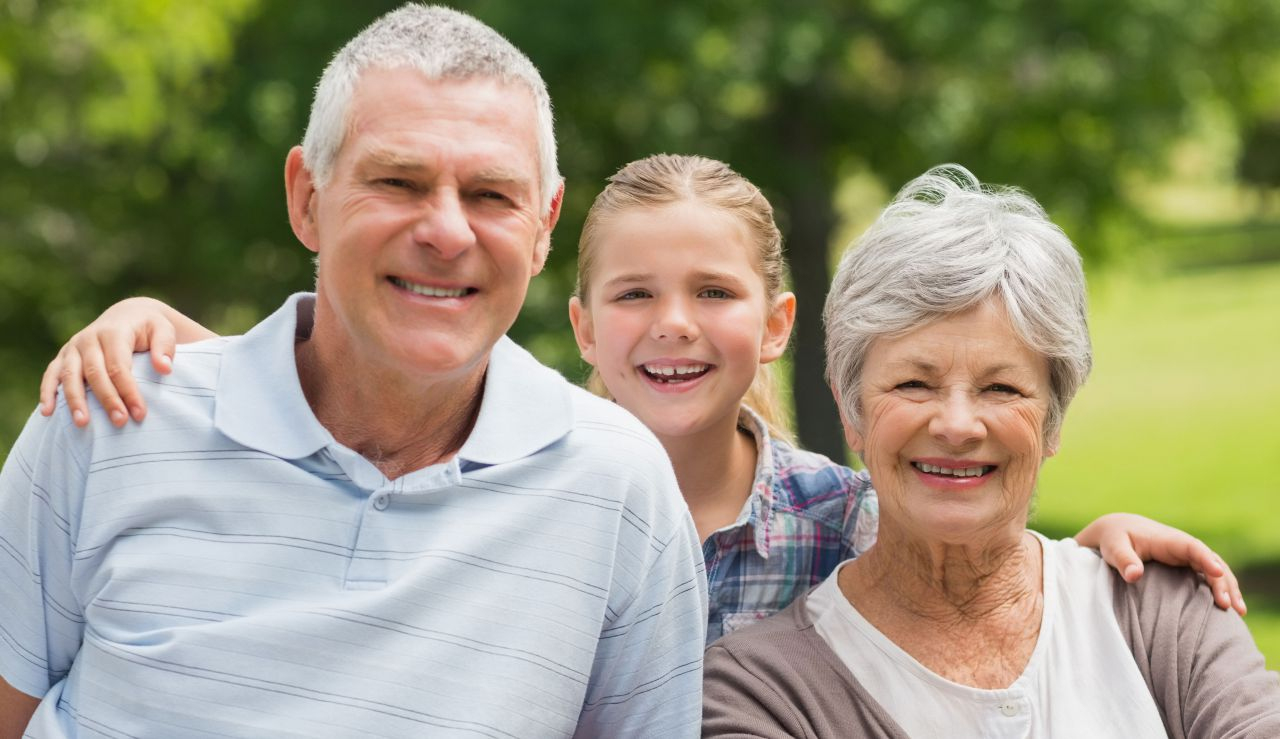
(664, 179)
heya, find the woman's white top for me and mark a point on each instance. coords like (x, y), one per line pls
(1081, 680)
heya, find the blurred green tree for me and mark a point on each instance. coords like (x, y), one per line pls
(142, 142)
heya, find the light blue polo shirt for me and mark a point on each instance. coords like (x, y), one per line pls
(227, 569)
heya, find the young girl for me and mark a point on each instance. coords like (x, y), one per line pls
(680, 308)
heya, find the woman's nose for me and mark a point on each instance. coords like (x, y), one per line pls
(957, 421)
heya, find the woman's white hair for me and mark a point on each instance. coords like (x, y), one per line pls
(945, 244)
(441, 43)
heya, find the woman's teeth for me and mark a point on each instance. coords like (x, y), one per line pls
(960, 472)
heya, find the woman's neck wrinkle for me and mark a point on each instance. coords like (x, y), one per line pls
(951, 585)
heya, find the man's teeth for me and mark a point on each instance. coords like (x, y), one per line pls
(688, 369)
(962, 472)
(431, 292)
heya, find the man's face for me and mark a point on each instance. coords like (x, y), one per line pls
(428, 230)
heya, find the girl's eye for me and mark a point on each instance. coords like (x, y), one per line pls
(714, 293)
(634, 295)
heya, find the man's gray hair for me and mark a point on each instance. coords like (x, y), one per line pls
(441, 43)
(945, 244)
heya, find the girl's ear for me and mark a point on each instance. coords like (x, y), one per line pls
(777, 327)
(583, 330)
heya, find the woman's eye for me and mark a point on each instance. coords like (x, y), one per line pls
(1003, 389)
(910, 385)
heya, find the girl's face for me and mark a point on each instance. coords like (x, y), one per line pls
(676, 319)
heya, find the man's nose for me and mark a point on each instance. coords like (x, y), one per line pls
(443, 225)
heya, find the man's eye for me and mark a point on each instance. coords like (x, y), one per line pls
(396, 182)
(492, 195)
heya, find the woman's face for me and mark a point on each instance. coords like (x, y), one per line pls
(952, 427)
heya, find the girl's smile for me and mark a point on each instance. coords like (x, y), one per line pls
(677, 320)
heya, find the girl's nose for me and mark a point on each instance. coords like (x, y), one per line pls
(674, 322)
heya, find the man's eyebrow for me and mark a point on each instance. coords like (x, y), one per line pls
(502, 175)
(395, 160)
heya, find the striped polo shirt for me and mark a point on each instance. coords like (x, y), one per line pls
(227, 569)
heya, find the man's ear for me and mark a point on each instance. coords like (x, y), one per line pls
(300, 196)
(543, 246)
(583, 330)
(777, 327)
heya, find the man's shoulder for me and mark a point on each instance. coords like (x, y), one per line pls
(192, 363)
(603, 421)
(194, 375)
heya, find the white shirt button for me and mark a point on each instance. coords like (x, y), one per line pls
(380, 502)
(1009, 709)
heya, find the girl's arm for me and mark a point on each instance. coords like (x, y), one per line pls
(1126, 539)
(102, 354)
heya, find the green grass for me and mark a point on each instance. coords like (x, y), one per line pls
(1180, 420)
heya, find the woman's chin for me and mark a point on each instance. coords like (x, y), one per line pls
(967, 525)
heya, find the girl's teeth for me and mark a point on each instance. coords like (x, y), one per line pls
(669, 371)
(676, 374)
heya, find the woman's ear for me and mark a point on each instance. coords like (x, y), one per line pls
(777, 327)
(851, 435)
(583, 330)
(1052, 443)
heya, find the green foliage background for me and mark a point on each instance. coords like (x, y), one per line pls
(142, 146)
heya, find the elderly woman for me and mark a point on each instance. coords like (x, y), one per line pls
(956, 338)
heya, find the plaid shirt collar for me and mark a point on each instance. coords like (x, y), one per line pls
(757, 511)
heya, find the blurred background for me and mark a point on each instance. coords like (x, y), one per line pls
(142, 145)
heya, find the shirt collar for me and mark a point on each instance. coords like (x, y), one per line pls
(526, 407)
(758, 510)
(259, 401)
(260, 404)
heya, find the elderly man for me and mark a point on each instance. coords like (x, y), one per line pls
(372, 515)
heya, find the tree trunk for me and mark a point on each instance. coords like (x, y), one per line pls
(808, 192)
